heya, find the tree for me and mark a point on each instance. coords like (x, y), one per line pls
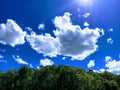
(67, 79)
(8, 80)
(24, 78)
(60, 77)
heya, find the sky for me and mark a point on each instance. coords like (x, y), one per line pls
(80, 33)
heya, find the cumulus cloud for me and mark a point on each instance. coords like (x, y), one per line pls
(11, 33)
(112, 65)
(110, 40)
(108, 58)
(46, 62)
(69, 40)
(41, 26)
(91, 63)
(86, 24)
(45, 44)
(19, 60)
(75, 42)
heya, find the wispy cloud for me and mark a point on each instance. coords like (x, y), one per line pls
(19, 60)
(86, 15)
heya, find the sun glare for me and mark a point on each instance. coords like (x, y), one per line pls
(85, 2)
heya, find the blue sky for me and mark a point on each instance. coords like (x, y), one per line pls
(81, 33)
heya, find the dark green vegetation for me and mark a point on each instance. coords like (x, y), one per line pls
(58, 78)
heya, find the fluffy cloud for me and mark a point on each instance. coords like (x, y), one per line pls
(46, 62)
(91, 63)
(110, 41)
(11, 33)
(108, 58)
(70, 40)
(45, 44)
(75, 42)
(41, 26)
(101, 70)
(19, 60)
(112, 65)
(86, 24)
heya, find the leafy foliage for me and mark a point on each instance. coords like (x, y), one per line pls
(60, 77)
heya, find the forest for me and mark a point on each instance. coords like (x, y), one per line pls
(60, 77)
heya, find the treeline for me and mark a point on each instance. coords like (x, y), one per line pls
(60, 77)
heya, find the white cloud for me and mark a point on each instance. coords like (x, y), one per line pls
(86, 15)
(102, 70)
(41, 26)
(91, 63)
(45, 44)
(69, 40)
(110, 30)
(46, 62)
(112, 65)
(108, 58)
(75, 42)
(28, 29)
(86, 24)
(11, 33)
(101, 32)
(99, 70)
(110, 41)
(38, 67)
(19, 60)
(63, 58)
